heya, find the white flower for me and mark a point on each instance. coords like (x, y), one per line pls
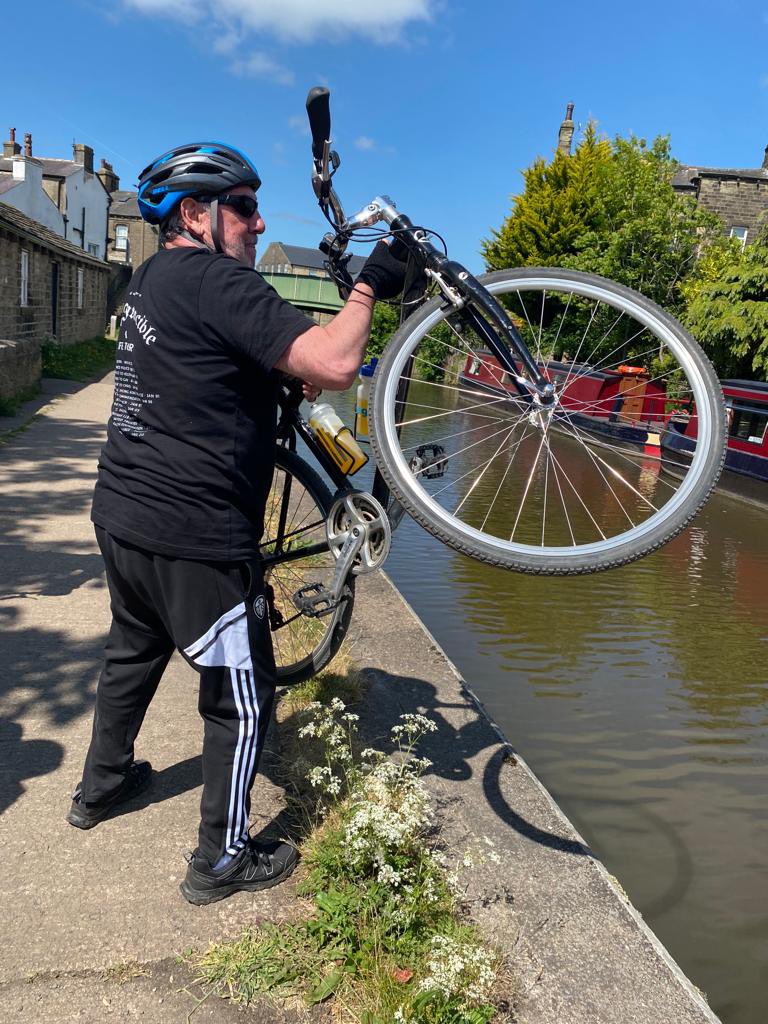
(388, 875)
(458, 969)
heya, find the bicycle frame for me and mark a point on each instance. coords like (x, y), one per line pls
(292, 425)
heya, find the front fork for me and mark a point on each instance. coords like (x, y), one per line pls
(483, 313)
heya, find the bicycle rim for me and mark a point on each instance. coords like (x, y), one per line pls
(297, 507)
(593, 484)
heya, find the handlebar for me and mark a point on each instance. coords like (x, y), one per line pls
(319, 113)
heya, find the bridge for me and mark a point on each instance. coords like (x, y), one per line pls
(298, 275)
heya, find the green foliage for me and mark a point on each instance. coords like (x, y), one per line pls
(10, 404)
(384, 935)
(82, 361)
(559, 204)
(385, 321)
(648, 234)
(727, 306)
(608, 209)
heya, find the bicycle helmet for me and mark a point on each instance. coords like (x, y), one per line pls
(197, 169)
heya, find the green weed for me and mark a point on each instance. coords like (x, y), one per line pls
(82, 361)
(385, 939)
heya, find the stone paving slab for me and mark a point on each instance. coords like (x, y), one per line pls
(76, 904)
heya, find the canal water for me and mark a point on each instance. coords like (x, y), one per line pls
(640, 698)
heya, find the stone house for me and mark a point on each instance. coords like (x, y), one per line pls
(49, 289)
(131, 239)
(739, 196)
(74, 190)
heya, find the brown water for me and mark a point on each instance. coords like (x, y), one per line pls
(640, 699)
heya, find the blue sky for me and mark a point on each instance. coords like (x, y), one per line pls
(440, 103)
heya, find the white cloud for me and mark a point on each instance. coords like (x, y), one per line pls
(299, 20)
(260, 65)
(364, 142)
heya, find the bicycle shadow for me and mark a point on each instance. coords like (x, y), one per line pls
(463, 745)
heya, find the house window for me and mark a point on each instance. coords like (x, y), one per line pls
(741, 234)
(93, 248)
(24, 278)
(80, 287)
(121, 237)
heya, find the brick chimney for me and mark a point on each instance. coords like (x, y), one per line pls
(83, 154)
(765, 159)
(27, 143)
(565, 136)
(11, 148)
(108, 178)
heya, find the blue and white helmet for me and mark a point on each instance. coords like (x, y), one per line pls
(199, 169)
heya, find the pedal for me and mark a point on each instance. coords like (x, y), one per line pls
(315, 600)
(429, 462)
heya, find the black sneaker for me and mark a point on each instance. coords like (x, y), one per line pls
(257, 867)
(136, 780)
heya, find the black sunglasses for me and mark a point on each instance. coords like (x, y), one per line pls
(245, 206)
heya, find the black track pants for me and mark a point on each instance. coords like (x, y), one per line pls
(215, 614)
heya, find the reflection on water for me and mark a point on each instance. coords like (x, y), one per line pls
(638, 696)
(500, 472)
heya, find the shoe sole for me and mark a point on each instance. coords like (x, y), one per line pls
(202, 897)
(82, 822)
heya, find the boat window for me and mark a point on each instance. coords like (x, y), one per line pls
(748, 423)
(474, 366)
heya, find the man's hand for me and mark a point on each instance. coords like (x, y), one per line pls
(383, 272)
(311, 393)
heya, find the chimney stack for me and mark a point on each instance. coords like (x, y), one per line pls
(11, 148)
(567, 128)
(27, 143)
(109, 179)
(83, 154)
(765, 159)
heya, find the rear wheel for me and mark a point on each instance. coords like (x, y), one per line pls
(573, 488)
(295, 554)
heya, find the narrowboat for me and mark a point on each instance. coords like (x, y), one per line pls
(746, 462)
(624, 403)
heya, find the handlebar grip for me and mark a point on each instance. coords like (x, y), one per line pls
(319, 114)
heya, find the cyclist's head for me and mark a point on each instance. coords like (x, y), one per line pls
(200, 171)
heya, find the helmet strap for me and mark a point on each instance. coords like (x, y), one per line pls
(215, 225)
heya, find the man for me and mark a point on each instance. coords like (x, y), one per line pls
(182, 484)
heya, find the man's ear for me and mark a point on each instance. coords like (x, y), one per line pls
(193, 216)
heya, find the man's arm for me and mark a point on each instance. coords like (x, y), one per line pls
(330, 356)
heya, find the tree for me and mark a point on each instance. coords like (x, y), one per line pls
(559, 204)
(610, 209)
(727, 306)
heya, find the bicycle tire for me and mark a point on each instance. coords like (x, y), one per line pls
(551, 287)
(302, 645)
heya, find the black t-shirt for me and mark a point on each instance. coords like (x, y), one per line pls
(189, 455)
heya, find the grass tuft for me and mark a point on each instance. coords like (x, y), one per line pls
(11, 404)
(82, 361)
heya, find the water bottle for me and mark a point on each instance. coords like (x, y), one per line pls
(335, 438)
(363, 394)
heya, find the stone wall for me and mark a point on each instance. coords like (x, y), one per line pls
(20, 366)
(738, 202)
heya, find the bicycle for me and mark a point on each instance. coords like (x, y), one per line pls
(495, 422)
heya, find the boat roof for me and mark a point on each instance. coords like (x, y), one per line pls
(760, 387)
